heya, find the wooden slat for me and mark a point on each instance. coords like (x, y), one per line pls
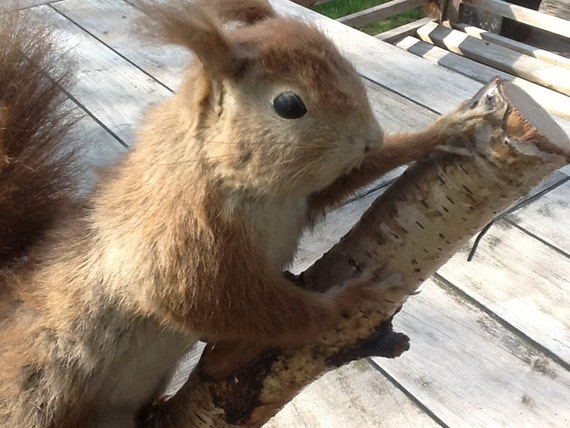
(521, 280)
(25, 4)
(470, 371)
(499, 57)
(114, 22)
(526, 16)
(554, 102)
(109, 87)
(380, 12)
(396, 113)
(355, 395)
(515, 45)
(548, 217)
(395, 34)
(389, 66)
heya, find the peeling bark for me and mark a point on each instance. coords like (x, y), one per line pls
(500, 145)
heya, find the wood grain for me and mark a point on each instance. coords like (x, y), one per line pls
(556, 103)
(366, 397)
(25, 4)
(546, 217)
(520, 279)
(471, 371)
(515, 45)
(499, 57)
(540, 20)
(115, 24)
(112, 89)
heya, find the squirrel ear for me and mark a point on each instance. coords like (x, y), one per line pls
(195, 26)
(246, 11)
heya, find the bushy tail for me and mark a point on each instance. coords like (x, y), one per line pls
(36, 166)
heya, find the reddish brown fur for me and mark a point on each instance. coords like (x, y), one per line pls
(187, 237)
(35, 171)
(246, 11)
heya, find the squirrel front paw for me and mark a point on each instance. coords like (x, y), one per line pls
(369, 289)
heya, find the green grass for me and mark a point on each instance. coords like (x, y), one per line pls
(337, 8)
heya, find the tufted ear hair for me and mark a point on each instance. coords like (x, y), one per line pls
(245, 11)
(195, 26)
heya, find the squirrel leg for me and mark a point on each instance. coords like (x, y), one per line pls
(398, 149)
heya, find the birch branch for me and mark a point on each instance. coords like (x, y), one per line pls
(500, 145)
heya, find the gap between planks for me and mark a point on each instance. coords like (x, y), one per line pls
(554, 102)
(499, 57)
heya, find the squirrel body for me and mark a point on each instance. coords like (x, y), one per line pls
(188, 235)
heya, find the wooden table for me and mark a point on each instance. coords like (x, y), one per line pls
(490, 338)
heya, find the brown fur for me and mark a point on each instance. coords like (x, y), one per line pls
(36, 169)
(187, 236)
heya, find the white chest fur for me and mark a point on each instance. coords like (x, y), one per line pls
(280, 224)
(141, 368)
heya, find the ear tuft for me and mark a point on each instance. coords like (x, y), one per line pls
(195, 26)
(244, 11)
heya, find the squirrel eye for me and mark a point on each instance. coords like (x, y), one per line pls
(289, 105)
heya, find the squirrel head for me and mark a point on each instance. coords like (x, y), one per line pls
(274, 106)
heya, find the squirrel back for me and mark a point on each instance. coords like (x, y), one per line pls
(37, 167)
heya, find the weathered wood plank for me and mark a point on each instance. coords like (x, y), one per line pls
(470, 371)
(396, 113)
(548, 217)
(521, 14)
(109, 87)
(389, 66)
(25, 4)
(114, 23)
(499, 57)
(395, 34)
(556, 103)
(515, 45)
(522, 281)
(380, 12)
(356, 395)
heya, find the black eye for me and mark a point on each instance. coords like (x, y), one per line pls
(289, 105)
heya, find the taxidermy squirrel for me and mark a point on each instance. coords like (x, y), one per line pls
(188, 235)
